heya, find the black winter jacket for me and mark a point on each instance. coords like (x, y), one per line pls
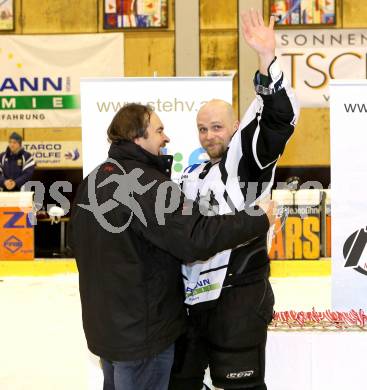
(18, 167)
(130, 281)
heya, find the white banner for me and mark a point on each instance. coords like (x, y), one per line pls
(315, 360)
(348, 111)
(175, 100)
(311, 58)
(40, 75)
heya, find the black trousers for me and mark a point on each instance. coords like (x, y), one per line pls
(230, 338)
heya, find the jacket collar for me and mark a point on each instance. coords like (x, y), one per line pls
(126, 150)
(10, 154)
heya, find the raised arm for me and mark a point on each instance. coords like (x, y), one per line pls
(259, 37)
(270, 120)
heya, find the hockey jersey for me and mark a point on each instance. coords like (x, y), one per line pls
(245, 174)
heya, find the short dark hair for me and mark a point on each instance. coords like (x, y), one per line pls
(130, 122)
(16, 137)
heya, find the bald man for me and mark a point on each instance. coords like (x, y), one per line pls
(229, 297)
(216, 123)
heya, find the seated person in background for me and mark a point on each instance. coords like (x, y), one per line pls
(16, 165)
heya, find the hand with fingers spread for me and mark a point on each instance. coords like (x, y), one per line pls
(260, 37)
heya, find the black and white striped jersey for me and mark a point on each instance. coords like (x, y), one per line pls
(244, 174)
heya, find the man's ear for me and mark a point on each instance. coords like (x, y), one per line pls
(137, 141)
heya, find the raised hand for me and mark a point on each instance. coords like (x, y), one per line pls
(258, 36)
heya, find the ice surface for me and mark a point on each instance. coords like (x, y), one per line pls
(42, 344)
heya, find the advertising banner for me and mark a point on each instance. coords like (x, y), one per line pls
(16, 229)
(348, 110)
(297, 233)
(53, 154)
(311, 58)
(40, 75)
(175, 100)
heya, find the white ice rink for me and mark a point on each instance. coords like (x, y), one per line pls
(42, 345)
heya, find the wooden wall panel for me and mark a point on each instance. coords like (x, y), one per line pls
(221, 14)
(219, 38)
(219, 50)
(53, 134)
(310, 144)
(61, 16)
(171, 15)
(5, 133)
(354, 13)
(148, 50)
(146, 53)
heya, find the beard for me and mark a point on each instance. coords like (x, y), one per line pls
(216, 151)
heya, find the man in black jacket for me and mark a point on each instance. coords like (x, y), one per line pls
(130, 229)
(16, 165)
